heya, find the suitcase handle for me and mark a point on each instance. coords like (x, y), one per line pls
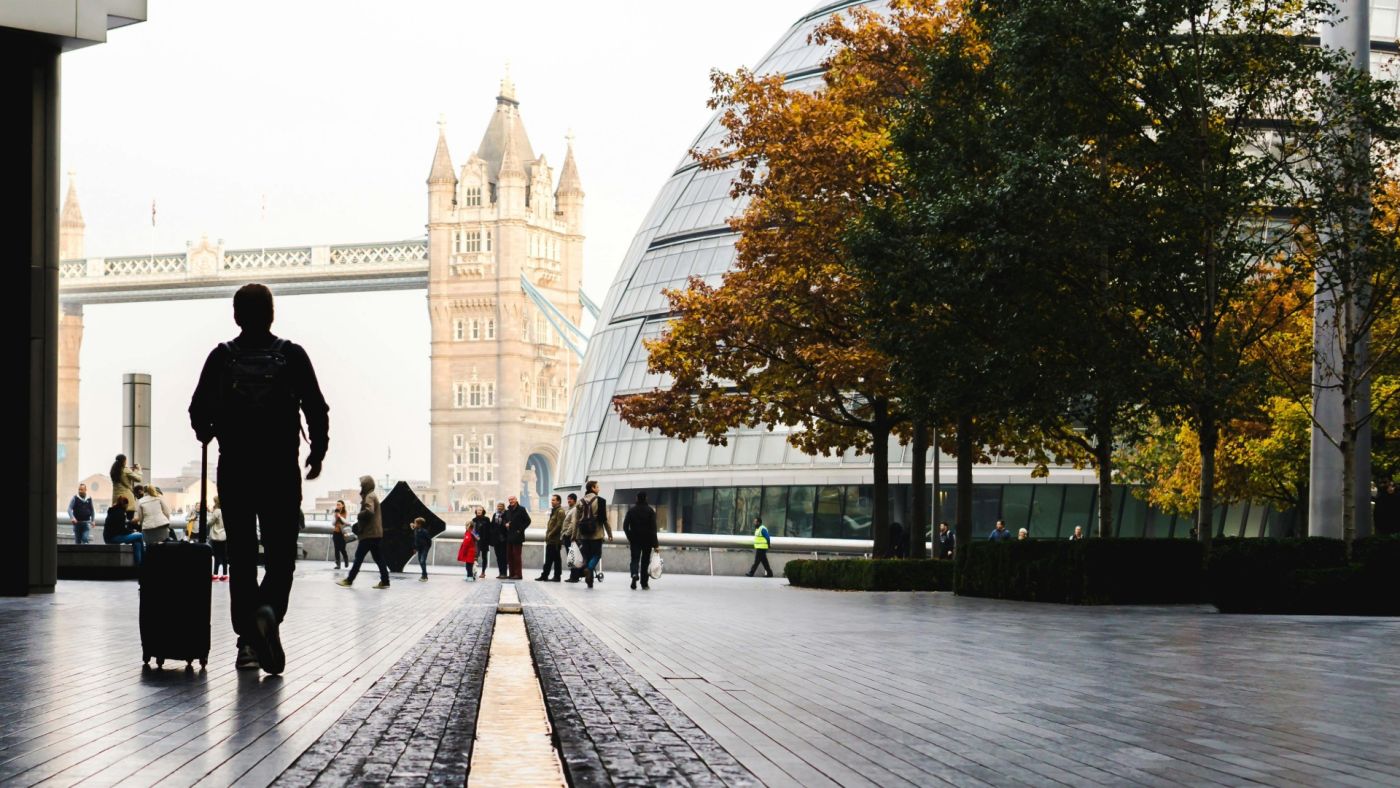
(204, 492)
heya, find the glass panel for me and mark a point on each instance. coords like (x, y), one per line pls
(746, 508)
(724, 510)
(800, 504)
(701, 513)
(1016, 505)
(1234, 519)
(1134, 517)
(773, 511)
(827, 524)
(1079, 505)
(1254, 525)
(860, 511)
(986, 507)
(1045, 514)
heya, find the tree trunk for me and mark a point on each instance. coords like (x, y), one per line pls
(1103, 459)
(964, 514)
(1205, 516)
(918, 525)
(880, 514)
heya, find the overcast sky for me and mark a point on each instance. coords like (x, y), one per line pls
(326, 114)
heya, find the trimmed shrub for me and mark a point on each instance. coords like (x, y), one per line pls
(1086, 572)
(864, 574)
(1306, 576)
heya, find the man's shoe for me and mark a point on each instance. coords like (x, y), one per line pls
(634, 582)
(646, 587)
(423, 579)
(380, 585)
(268, 642)
(553, 579)
(541, 578)
(345, 582)
(572, 580)
(247, 659)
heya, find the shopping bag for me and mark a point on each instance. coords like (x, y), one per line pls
(656, 566)
(575, 556)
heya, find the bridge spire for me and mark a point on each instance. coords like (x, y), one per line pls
(71, 227)
(441, 171)
(569, 183)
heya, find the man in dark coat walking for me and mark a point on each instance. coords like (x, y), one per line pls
(251, 395)
(517, 520)
(499, 527)
(640, 528)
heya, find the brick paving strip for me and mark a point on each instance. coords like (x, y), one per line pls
(612, 726)
(416, 725)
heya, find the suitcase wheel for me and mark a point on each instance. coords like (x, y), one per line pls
(189, 666)
(203, 662)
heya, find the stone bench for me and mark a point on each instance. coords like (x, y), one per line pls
(96, 562)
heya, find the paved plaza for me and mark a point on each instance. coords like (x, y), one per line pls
(707, 681)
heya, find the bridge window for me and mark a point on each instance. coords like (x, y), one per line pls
(474, 455)
(489, 441)
(459, 395)
(474, 398)
(476, 329)
(457, 242)
(457, 477)
(491, 329)
(473, 240)
(458, 330)
(459, 441)
(473, 198)
(488, 240)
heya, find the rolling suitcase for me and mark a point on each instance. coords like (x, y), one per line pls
(175, 592)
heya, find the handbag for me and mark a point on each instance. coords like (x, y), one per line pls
(575, 556)
(349, 537)
(656, 567)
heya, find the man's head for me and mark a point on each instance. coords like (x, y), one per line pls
(419, 522)
(1023, 534)
(513, 502)
(573, 499)
(641, 497)
(82, 489)
(1078, 531)
(500, 507)
(943, 528)
(1001, 526)
(757, 521)
(554, 500)
(252, 308)
(590, 486)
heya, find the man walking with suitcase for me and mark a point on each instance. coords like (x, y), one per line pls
(251, 395)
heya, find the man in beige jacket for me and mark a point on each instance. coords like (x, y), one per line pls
(371, 532)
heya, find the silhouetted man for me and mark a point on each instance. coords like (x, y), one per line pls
(640, 528)
(251, 395)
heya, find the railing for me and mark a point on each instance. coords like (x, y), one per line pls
(407, 252)
(147, 265)
(262, 259)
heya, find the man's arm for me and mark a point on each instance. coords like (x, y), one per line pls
(317, 412)
(204, 405)
(72, 501)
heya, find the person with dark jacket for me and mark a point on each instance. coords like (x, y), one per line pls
(553, 532)
(371, 532)
(898, 544)
(640, 528)
(80, 514)
(482, 524)
(252, 394)
(500, 527)
(592, 523)
(517, 520)
(568, 535)
(422, 545)
(945, 541)
(118, 530)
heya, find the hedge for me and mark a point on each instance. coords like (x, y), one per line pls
(865, 574)
(1306, 576)
(1085, 572)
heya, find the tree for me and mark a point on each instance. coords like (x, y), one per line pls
(780, 340)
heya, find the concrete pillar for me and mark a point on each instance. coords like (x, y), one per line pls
(70, 342)
(1350, 32)
(136, 420)
(29, 103)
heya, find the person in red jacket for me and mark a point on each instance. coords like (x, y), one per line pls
(467, 552)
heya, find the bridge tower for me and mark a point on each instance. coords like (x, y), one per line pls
(71, 238)
(501, 375)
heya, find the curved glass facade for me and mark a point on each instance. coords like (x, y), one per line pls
(685, 234)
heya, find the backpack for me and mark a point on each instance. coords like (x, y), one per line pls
(587, 523)
(257, 385)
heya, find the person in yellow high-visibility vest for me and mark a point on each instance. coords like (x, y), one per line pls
(761, 542)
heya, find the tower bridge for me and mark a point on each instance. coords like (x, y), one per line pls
(502, 267)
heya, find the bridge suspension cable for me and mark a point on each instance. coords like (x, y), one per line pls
(588, 304)
(574, 337)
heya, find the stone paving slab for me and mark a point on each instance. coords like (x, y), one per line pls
(612, 726)
(416, 725)
(820, 688)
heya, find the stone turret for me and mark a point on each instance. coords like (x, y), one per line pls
(569, 196)
(71, 228)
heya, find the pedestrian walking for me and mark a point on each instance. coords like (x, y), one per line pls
(218, 540)
(1000, 533)
(761, 542)
(517, 520)
(568, 537)
(1078, 534)
(482, 527)
(370, 529)
(466, 553)
(338, 530)
(152, 514)
(639, 526)
(553, 535)
(946, 541)
(252, 394)
(592, 525)
(898, 537)
(500, 531)
(80, 514)
(422, 545)
(118, 530)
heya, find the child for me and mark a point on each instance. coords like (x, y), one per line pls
(422, 543)
(467, 552)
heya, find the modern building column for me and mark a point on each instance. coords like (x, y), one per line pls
(29, 73)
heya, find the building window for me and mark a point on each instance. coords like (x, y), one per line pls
(491, 328)
(458, 330)
(473, 199)
(459, 441)
(459, 395)
(474, 397)
(490, 395)
(474, 475)
(488, 240)
(489, 441)
(457, 242)
(474, 455)
(474, 241)
(476, 329)
(457, 475)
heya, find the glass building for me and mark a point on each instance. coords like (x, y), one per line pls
(699, 488)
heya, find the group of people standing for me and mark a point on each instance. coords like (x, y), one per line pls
(502, 533)
(138, 515)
